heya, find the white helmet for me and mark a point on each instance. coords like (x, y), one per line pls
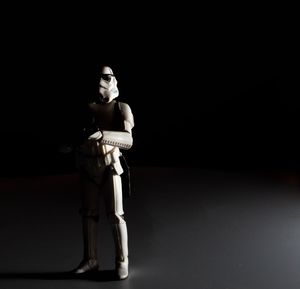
(108, 85)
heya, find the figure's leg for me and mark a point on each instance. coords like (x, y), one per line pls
(114, 208)
(90, 216)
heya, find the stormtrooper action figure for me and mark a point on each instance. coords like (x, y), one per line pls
(100, 169)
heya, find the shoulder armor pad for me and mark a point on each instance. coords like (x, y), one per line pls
(127, 114)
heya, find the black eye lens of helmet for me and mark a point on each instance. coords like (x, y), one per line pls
(107, 77)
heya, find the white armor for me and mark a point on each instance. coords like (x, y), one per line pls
(100, 167)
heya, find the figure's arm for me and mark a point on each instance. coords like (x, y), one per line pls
(122, 139)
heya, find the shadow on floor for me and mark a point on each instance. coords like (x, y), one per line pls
(101, 276)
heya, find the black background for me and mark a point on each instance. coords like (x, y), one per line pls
(208, 90)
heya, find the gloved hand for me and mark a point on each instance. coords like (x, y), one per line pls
(95, 136)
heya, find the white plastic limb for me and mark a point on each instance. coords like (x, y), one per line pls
(121, 244)
(119, 139)
(119, 227)
(95, 136)
(127, 116)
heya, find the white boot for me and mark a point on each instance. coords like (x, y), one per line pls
(122, 269)
(89, 262)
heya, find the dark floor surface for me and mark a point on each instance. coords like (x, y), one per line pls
(188, 228)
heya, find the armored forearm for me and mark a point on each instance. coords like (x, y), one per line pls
(121, 139)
